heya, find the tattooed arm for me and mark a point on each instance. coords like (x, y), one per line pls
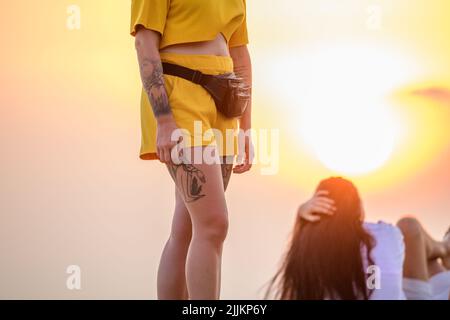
(243, 68)
(147, 47)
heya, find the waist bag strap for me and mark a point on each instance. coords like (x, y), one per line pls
(194, 76)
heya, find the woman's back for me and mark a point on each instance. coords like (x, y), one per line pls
(388, 255)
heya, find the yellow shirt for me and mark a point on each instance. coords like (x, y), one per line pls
(182, 21)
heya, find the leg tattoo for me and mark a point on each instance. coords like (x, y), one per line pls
(226, 174)
(227, 168)
(190, 181)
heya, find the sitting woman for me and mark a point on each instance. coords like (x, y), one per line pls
(341, 257)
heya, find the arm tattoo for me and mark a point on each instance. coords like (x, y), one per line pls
(190, 181)
(160, 104)
(153, 82)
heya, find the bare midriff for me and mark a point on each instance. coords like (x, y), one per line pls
(216, 47)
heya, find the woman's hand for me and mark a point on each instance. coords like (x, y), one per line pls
(164, 143)
(247, 160)
(319, 204)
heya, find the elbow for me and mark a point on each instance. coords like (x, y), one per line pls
(239, 53)
(138, 40)
(137, 43)
(146, 39)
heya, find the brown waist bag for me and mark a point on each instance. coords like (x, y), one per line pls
(229, 92)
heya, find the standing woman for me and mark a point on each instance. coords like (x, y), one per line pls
(209, 37)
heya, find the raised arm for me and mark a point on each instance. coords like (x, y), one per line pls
(243, 68)
(147, 47)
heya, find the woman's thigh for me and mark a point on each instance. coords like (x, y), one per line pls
(201, 186)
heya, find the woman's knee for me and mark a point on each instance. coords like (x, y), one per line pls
(410, 227)
(213, 229)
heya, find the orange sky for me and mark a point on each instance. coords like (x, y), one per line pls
(74, 192)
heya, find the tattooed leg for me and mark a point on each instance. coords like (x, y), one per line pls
(189, 179)
(227, 168)
(201, 187)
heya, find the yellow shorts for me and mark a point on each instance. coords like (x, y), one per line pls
(193, 108)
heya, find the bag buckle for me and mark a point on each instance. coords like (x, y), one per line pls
(197, 77)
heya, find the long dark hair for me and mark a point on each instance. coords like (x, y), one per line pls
(325, 259)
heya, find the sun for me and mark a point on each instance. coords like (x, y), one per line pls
(339, 100)
(354, 139)
(344, 114)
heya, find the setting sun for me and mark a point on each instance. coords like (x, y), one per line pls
(353, 141)
(345, 117)
(353, 88)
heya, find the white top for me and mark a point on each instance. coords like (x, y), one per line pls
(388, 255)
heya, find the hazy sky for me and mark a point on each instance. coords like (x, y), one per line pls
(368, 77)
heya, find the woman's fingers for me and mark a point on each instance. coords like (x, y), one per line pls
(244, 167)
(319, 205)
(168, 155)
(241, 168)
(324, 199)
(321, 193)
(247, 158)
(164, 153)
(323, 209)
(316, 210)
(311, 218)
(161, 155)
(173, 152)
(327, 204)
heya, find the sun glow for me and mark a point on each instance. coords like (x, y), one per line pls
(345, 116)
(354, 140)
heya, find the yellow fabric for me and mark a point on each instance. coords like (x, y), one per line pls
(183, 21)
(189, 103)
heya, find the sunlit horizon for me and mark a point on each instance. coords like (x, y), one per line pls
(351, 93)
